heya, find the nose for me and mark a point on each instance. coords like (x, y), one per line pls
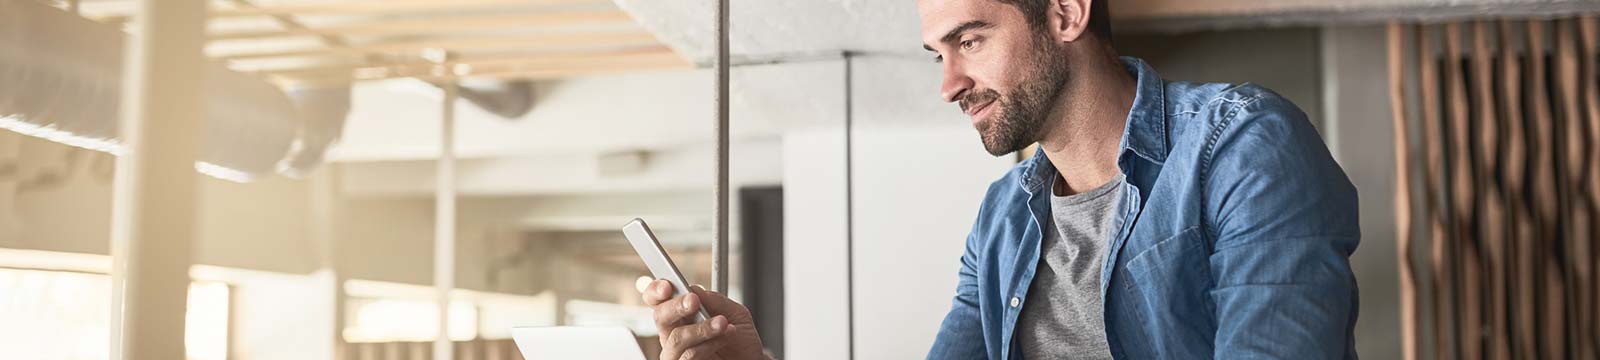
(956, 82)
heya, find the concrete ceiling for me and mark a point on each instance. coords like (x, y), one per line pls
(765, 29)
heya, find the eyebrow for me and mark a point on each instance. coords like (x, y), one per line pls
(956, 32)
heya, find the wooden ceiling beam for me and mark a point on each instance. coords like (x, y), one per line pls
(440, 25)
(365, 7)
(420, 66)
(526, 72)
(563, 72)
(515, 42)
(385, 6)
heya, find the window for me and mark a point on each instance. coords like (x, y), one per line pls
(66, 315)
(390, 319)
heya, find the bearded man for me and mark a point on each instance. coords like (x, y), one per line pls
(1158, 219)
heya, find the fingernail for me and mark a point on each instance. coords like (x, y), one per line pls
(718, 323)
(688, 302)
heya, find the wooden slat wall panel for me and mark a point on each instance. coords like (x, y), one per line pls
(1575, 247)
(1491, 215)
(1462, 201)
(1402, 195)
(1439, 254)
(1590, 39)
(1510, 132)
(1524, 324)
(1546, 201)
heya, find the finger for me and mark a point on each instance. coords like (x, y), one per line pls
(658, 291)
(675, 312)
(714, 303)
(690, 336)
(706, 350)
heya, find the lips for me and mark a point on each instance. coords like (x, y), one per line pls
(974, 109)
(979, 109)
(978, 103)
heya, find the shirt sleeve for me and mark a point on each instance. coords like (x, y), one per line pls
(1283, 219)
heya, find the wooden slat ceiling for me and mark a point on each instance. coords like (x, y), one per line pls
(331, 42)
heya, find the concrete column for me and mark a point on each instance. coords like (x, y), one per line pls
(153, 198)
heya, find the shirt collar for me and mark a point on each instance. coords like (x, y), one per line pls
(1146, 131)
(1144, 135)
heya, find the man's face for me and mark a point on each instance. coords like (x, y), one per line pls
(1004, 73)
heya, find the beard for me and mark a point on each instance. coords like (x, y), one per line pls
(1019, 116)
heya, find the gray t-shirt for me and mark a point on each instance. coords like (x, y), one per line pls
(1062, 316)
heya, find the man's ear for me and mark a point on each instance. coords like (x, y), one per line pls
(1068, 19)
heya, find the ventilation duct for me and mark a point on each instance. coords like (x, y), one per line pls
(323, 111)
(508, 100)
(60, 79)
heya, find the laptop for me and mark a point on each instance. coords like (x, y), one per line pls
(576, 342)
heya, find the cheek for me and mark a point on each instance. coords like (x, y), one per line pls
(1001, 67)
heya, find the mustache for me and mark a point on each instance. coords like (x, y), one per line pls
(978, 97)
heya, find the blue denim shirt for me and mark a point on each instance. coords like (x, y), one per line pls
(1233, 239)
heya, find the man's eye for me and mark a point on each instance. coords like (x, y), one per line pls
(968, 44)
(938, 59)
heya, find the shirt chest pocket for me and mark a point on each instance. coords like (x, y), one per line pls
(1173, 278)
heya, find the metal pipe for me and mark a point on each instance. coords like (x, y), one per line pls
(444, 228)
(321, 218)
(154, 194)
(719, 248)
(849, 206)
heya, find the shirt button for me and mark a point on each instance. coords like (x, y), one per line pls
(1015, 301)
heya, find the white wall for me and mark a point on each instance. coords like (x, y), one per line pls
(1360, 133)
(815, 306)
(917, 192)
(919, 175)
(1284, 60)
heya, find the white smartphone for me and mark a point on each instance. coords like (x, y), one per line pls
(661, 267)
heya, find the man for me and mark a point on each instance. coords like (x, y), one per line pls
(1160, 219)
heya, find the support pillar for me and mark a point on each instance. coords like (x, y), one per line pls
(154, 194)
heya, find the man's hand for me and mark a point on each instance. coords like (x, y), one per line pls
(729, 334)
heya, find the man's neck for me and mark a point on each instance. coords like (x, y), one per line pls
(1087, 126)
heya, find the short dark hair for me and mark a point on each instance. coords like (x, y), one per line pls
(1035, 10)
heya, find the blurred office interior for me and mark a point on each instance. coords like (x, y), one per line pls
(323, 216)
